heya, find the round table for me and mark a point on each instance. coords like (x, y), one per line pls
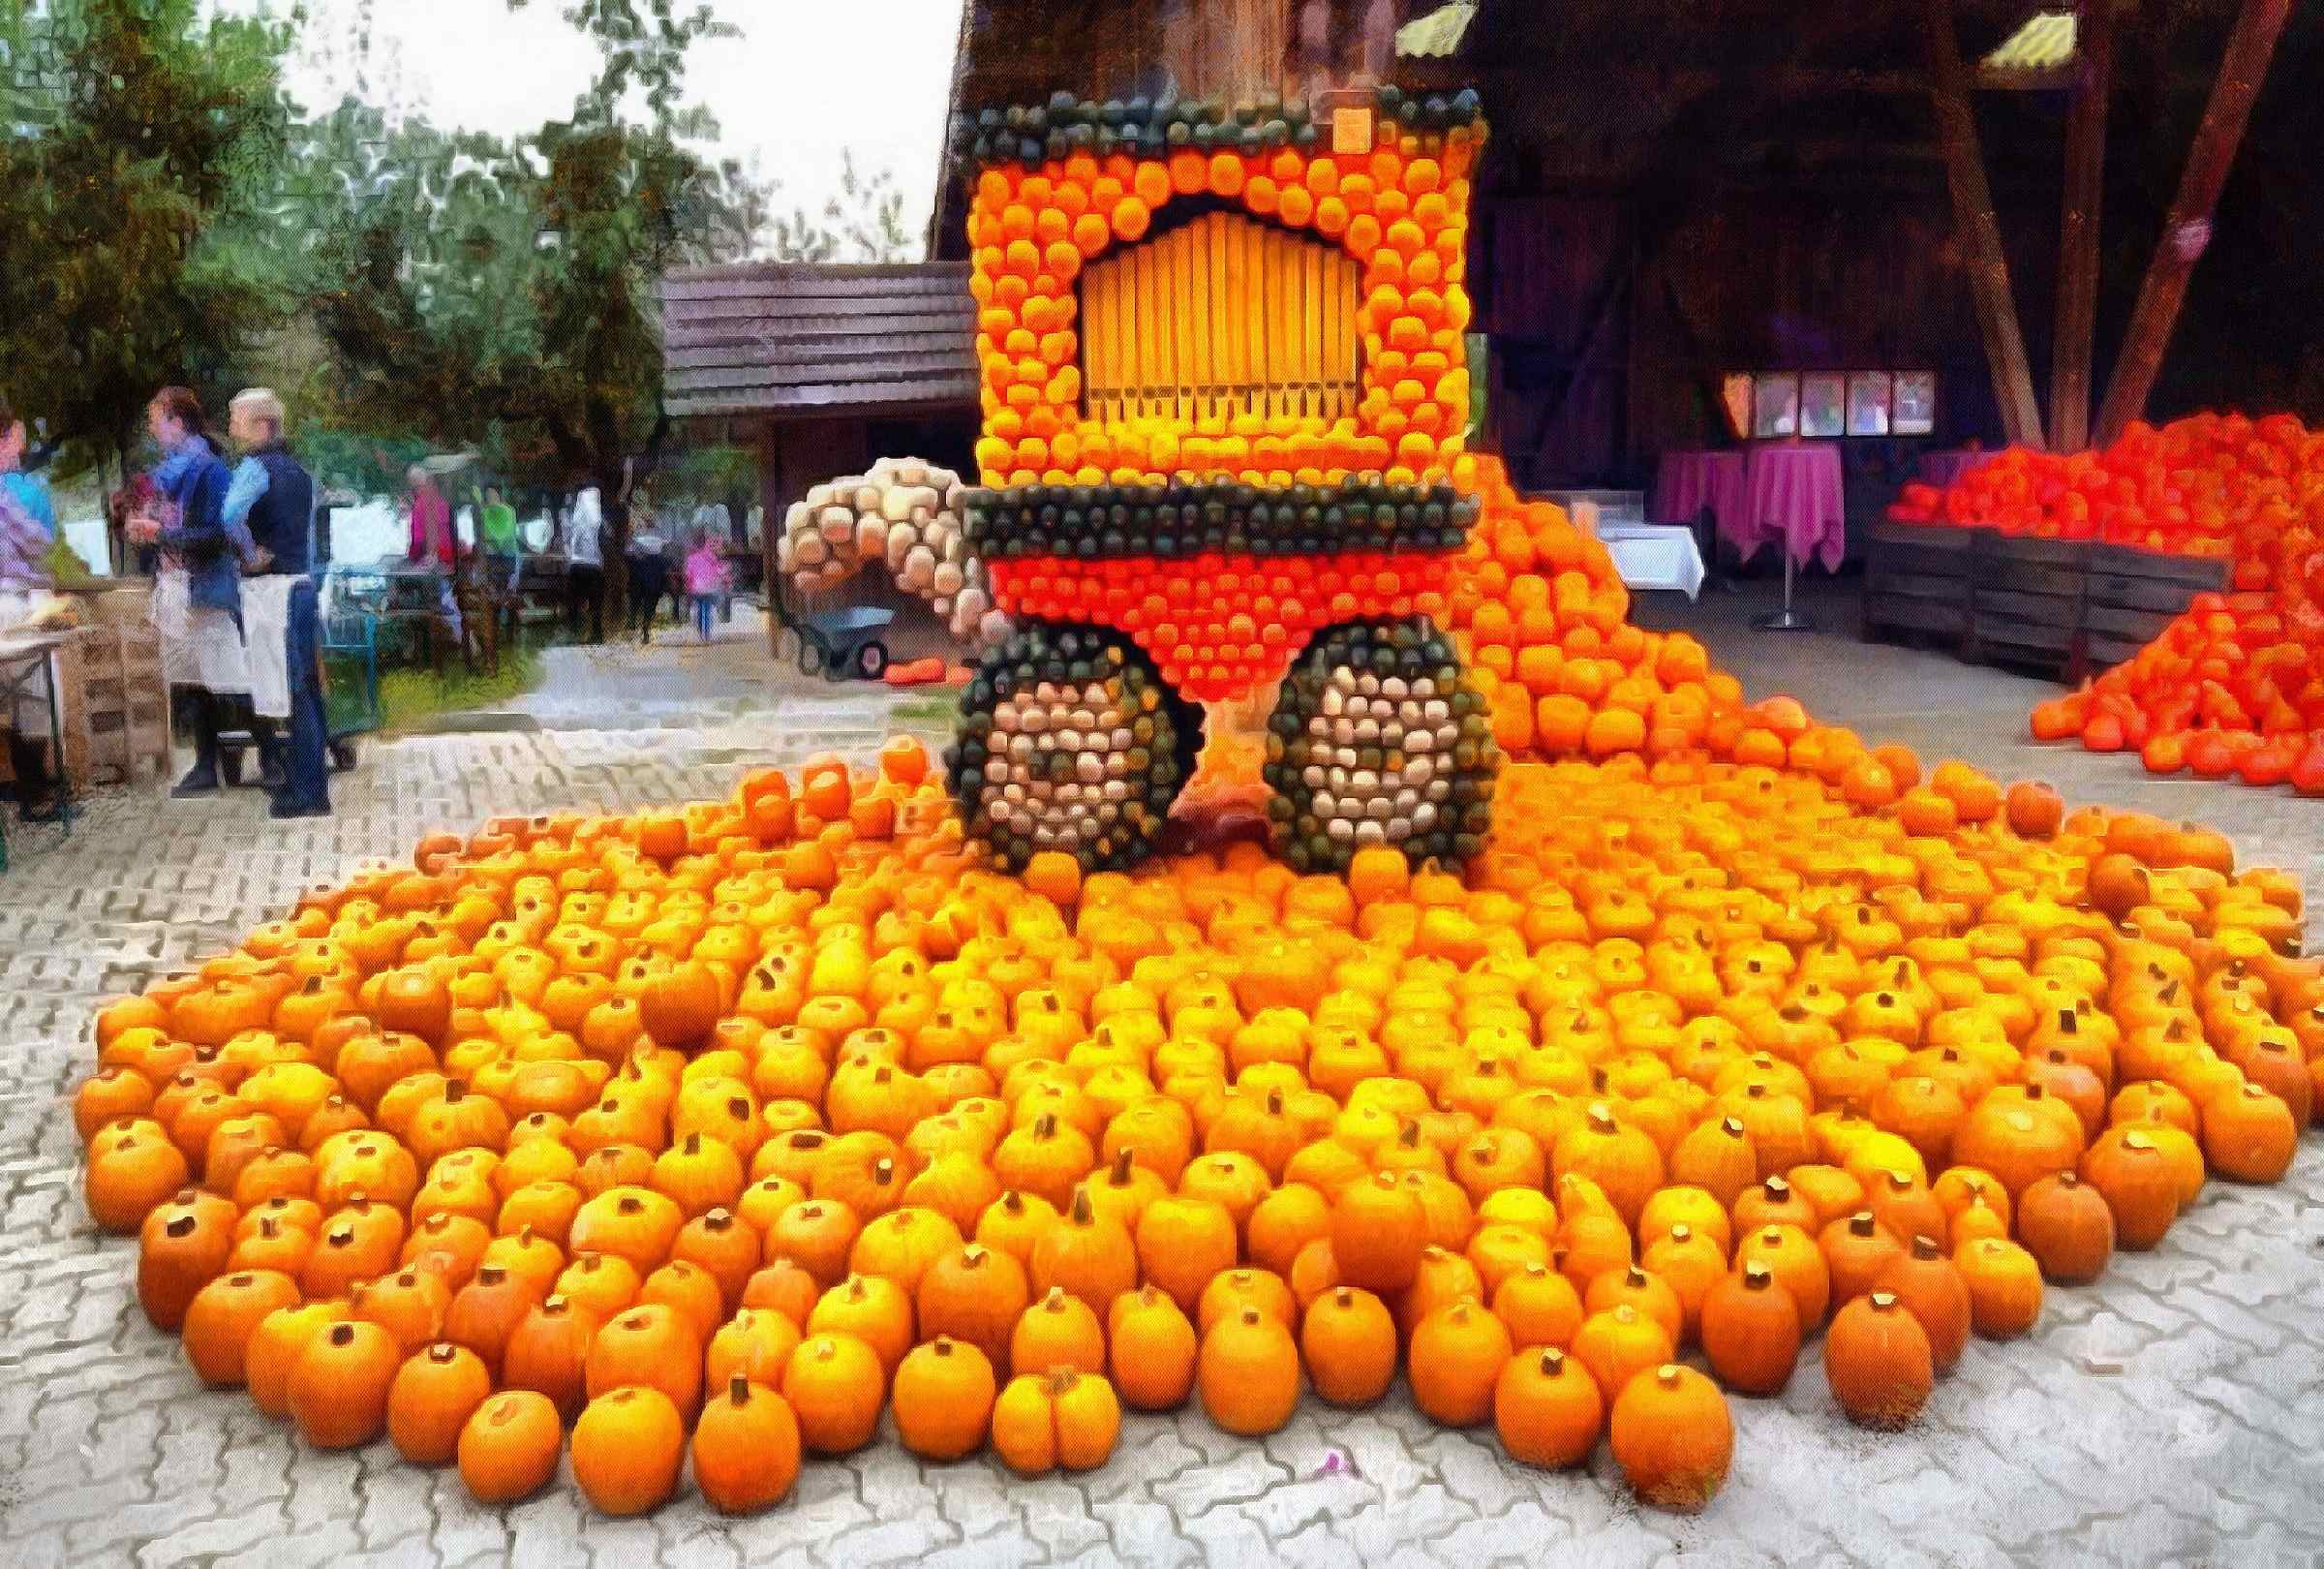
(1793, 494)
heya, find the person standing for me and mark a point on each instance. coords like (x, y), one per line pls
(270, 517)
(649, 572)
(504, 545)
(434, 547)
(24, 582)
(197, 594)
(584, 565)
(706, 580)
(30, 490)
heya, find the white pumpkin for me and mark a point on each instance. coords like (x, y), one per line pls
(919, 568)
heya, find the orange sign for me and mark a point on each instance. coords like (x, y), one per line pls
(1352, 128)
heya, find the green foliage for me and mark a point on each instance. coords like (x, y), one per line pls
(408, 697)
(151, 125)
(473, 289)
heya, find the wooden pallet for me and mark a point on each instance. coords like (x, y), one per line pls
(2025, 601)
(2063, 607)
(2128, 597)
(1917, 583)
(115, 705)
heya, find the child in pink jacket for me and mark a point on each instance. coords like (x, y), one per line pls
(707, 579)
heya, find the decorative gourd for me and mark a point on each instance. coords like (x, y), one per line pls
(1672, 1437)
(1248, 1373)
(1878, 1360)
(626, 1450)
(1750, 1331)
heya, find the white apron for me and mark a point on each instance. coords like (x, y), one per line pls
(200, 647)
(266, 642)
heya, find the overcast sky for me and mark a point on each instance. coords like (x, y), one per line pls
(807, 81)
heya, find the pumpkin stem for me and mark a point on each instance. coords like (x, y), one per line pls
(1054, 1301)
(1553, 1361)
(1083, 1213)
(1924, 1246)
(1045, 1126)
(1757, 1276)
(1119, 1176)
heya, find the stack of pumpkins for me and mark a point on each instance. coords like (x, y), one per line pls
(762, 1118)
(903, 515)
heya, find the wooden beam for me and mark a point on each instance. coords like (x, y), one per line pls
(2078, 230)
(2187, 228)
(773, 492)
(1979, 230)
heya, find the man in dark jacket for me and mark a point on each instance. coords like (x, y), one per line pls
(270, 517)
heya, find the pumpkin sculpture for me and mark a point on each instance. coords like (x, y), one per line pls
(1161, 552)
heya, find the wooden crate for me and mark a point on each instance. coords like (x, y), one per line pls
(2025, 601)
(2128, 597)
(115, 704)
(1917, 583)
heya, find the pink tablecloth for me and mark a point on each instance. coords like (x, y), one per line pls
(1688, 481)
(1942, 469)
(1792, 493)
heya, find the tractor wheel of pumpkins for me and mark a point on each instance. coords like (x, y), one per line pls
(1069, 740)
(1380, 738)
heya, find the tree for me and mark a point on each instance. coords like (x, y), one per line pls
(473, 289)
(139, 133)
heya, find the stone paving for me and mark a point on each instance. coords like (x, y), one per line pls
(2174, 1413)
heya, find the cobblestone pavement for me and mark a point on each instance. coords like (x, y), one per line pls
(2170, 1414)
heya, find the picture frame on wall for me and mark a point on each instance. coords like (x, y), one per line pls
(1775, 405)
(1734, 396)
(1824, 404)
(1915, 409)
(1870, 394)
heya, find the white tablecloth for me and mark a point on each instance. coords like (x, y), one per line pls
(1653, 556)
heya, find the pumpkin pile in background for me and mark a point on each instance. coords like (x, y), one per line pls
(695, 1143)
(2234, 687)
(2210, 484)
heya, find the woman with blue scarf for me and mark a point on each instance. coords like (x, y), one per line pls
(196, 592)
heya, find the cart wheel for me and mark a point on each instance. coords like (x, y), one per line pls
(1069, 740)
(343, 756)
(811, 655)
(1380, 738)
(872, 660)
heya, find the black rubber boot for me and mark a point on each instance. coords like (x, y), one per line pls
(269, 740)
(203, 778)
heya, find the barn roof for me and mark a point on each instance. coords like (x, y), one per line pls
(814, 339)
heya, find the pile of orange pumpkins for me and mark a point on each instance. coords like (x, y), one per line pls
(2210, 484)
(2233, 689)
(702, 1141)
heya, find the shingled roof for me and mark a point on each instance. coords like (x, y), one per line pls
(814, 340)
